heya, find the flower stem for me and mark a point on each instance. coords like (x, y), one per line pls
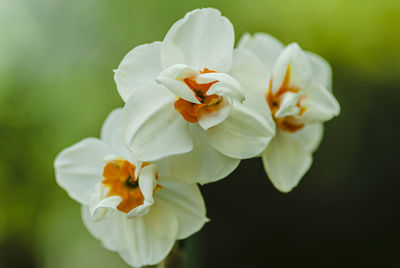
(162, 264)
(173, 260)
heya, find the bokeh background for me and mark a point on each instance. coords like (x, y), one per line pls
(56, 87)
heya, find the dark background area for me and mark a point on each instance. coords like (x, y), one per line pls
(56, 87)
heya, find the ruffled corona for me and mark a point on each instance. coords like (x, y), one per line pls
(119, 176)
(208, 103)
(286, 123)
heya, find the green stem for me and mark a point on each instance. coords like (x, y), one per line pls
(162, 264)
(172, 260)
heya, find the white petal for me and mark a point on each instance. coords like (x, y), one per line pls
(266, 47)
(100, 204)
(162, 168)
(286, 161)
(172, 78)
(226, 85)
(106, 230)
(148, 181)
(80, 167)
(152, 128)
(111, 126)
(111, 134)
(138, 164)
(140, 241)
(321, 70)
(250, 72)
(243, 134)
(310, 136)
(140, 210)
(300, 68)
(288, 105)
(254, 79)
(203, 164)
(208, 120)
(139, 68)
(150, 238)
(202, 39)
(320, 103)
(187, 203)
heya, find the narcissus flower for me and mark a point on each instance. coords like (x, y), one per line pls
(133, 207)
(181, 101)
(296, 86)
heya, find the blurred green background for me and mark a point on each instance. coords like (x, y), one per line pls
(56, 87)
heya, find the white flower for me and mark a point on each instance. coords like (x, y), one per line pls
(181, 101)
(131, 206)
(296, 85)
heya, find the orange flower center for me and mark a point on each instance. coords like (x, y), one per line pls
(119, 177)
(208, 103)
(286, 123)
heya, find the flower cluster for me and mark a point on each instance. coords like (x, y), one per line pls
(195, 106)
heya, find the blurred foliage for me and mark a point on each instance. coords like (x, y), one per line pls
(56, 87)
